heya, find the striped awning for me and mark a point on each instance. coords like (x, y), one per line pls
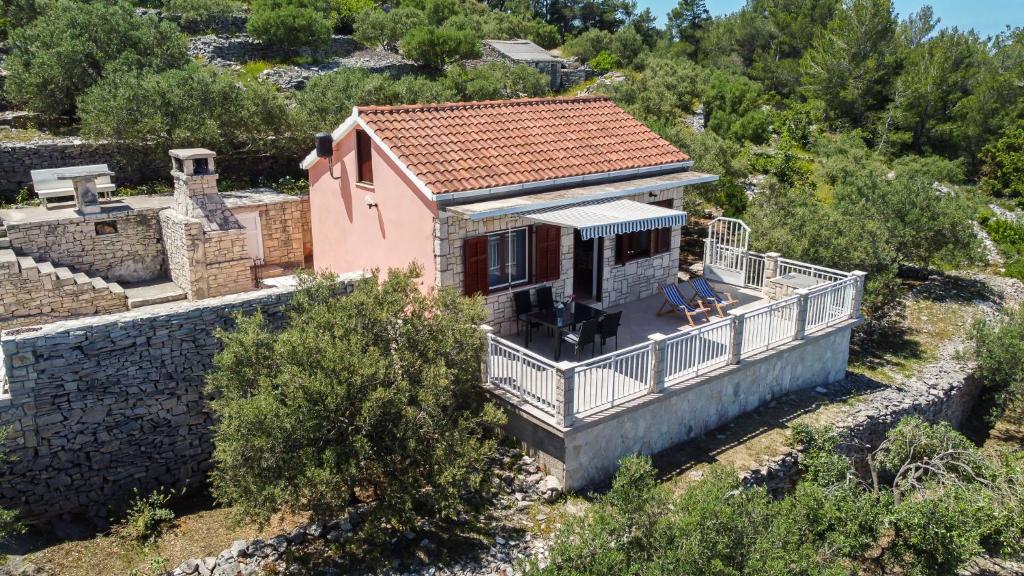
(609, 217)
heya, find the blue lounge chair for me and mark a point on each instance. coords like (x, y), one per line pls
(708, 294)
(676, 303)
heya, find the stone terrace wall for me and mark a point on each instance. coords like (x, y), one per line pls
(102, 405)
(283, 222)
(17, 160)
(134, 253)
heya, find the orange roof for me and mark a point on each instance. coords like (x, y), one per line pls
(474, 145)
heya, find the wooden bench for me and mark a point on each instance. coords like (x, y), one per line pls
(47, 185)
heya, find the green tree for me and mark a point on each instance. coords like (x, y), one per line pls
(588, 44)
(1002, 173)
(201, 12)
(437, 47)
(732, 108)
(69, 47)
(344, 13)
(686, 21)
(380, 29)
(663, 91)
(289, 23)
(851, 62)
(15, 14)
(373, 393)
(627, 45)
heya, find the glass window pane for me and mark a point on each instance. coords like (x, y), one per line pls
(495, 266)
(517, 256)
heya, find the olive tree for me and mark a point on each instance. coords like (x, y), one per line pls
(371, 396)
(71, 45)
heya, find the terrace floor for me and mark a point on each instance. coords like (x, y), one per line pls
(639, 320)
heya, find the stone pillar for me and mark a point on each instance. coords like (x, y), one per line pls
(485, 375)
(565, 391)
(658, 369)
(801, 314)
(771, 270)
(858, 293)
(736, 349)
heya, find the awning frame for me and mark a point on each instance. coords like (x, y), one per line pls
(609, 217)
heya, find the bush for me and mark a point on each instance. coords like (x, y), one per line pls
(67, 49)
(999, 349)
(543, 34)
(627, 45)
(834, 523)
(1002, 173)
(147, 517)
(438, 47)
(376, 393)
(345, 12)
(379, 29)
(589, 44)
(192, 106)
(498, 80)
(289, 23)
(201, 11)
(604, 61)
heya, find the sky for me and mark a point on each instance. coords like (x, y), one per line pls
(987, 17)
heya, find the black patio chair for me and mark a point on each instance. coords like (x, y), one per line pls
(587, 335)
(523, 306)
(545, 298)
(609, 328)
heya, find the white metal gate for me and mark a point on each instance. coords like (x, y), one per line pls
(726, 249)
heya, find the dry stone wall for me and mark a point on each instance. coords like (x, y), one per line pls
(102, 405)
(133, 252)
(283, 223)
(17, 160)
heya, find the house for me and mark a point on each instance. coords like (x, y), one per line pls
(513, 198)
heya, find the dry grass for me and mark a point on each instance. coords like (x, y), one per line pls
(194, 535)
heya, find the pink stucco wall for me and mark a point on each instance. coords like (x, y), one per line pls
(348, 236)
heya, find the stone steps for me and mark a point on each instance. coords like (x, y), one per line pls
(153, 293)
(52, 276)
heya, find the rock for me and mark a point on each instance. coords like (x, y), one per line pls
(238, 549)
(316, 530)
(550, 489)
(206, 565)
(188, 567)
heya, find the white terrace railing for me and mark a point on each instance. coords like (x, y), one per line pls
(563, 391)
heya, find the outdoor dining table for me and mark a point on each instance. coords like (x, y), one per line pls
(550, 319)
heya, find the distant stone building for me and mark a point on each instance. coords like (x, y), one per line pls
(526, 52)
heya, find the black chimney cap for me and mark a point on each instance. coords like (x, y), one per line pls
(324, 145)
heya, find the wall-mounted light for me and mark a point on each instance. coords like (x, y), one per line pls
(371, 202)
(325, 149)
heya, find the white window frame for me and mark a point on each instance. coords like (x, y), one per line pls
(508, 250)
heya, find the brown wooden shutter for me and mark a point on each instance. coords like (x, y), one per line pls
(364, 157)
(474, 257)
(662, 239)
(547, 253)
(620, 249)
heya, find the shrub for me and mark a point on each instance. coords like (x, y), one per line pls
(627, 45)
(147, 517)
(67, 49)
(999, 349)
(376, 393)
(498, 80)
(589, 44)
(543, 34)
(604, 61)
(1002, 173)
(192, 106)
(380, 29)
(289, 23)
(201, 11)
(438, 47)
(344, 13)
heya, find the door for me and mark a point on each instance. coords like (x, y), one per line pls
(587, 267)
(253, 233)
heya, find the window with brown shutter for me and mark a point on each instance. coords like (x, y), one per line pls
(474, 254)
(364, 158)
(662, 237)
(637, 245)
(547, 253)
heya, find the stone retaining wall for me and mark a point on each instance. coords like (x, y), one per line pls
(102, 405)
(133, 253)
(225, 50)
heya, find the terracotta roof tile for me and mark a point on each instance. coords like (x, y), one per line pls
(471, 145)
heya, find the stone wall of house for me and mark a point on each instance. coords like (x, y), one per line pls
(644, 277)
(449, 232)
(284, 223)
(133, 253)
(34, 292)
(102, 405)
